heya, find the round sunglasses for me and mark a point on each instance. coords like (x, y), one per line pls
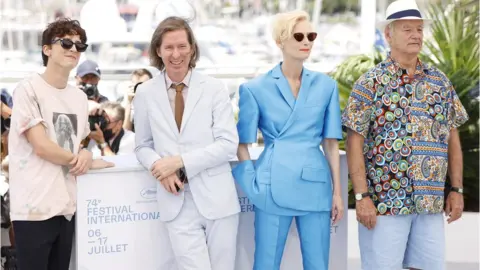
(67, 44)
(300, 36)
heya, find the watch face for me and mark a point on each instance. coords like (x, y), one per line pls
(358, 196)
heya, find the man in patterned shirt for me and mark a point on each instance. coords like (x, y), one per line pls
(402, 118)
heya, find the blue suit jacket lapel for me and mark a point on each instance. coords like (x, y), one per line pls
(301, 98)
(283, 86)
(305, 87)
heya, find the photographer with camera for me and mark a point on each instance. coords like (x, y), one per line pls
(108, 137)
(138, 77)
(88, 77)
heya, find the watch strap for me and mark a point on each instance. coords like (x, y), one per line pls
(365, 194)
(102, 145)
(457, 189)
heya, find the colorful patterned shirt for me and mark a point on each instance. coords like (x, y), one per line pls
(406, 122)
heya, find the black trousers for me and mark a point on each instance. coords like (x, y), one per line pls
(44, 245)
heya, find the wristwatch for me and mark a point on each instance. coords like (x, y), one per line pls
(360, 196)
(457, 189)
(102, 145)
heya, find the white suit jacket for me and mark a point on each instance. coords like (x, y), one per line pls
(207, 140)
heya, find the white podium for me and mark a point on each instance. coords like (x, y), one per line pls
(117, 225)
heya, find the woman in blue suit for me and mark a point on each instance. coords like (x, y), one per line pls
(296, 110)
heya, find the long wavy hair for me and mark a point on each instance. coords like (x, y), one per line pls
(168, 25)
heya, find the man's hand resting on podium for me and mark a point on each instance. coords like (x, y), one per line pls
(101, 164)
(81, 162)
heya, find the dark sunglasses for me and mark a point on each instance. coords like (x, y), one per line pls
(67, 44)
(300, 36)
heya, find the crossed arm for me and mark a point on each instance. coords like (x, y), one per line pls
(164, 168)
(46, 149)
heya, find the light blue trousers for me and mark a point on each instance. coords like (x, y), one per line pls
(271, 233)
(405, 241)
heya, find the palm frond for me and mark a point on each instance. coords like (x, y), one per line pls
(348, 72)
(453, 47)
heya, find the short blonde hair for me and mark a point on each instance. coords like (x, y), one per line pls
(283, 24)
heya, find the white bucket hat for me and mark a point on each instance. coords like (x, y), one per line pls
(402, 10)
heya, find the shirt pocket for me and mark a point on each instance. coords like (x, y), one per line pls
(437, 110)
(437, 107)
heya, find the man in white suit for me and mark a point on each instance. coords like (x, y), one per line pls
(186, 135)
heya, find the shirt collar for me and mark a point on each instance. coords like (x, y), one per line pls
(185, 80)
(393, 66)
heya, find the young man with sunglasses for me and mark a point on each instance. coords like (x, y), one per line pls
(49, 119)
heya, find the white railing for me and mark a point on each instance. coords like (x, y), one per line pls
(9, 75)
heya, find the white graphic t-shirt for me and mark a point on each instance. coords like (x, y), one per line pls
(40, 189)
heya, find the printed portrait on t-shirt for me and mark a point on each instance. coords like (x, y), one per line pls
(66, 132)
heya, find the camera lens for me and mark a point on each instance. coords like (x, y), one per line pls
(90, 92)
(97, 119)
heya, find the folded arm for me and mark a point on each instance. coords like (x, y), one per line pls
(47, 149)
(27, 120)
(144, 147)
(225, 135)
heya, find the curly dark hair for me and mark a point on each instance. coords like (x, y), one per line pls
(168, 25)
(60, 28)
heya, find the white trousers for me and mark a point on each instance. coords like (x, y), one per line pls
(202, 244)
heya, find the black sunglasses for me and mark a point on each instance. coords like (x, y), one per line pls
(300, 36)
(67, 44)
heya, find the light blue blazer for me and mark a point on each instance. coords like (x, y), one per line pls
(292, 175)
